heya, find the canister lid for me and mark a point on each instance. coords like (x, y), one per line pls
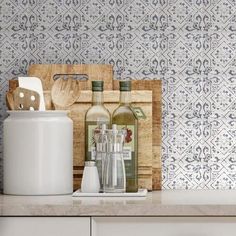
(97, 85)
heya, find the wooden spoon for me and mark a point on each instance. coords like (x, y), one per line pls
(65, 92)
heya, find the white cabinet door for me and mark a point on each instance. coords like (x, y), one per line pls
(163, 226)
(44, 226)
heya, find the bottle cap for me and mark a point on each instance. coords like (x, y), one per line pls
(97, 85)
(125, 85)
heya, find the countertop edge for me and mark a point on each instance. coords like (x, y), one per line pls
(98, 211)
(165, 203)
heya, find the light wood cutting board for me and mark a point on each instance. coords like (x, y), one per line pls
(156, 87)
(46, 72)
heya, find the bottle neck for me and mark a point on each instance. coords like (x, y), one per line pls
(125, 98)
(97, 98)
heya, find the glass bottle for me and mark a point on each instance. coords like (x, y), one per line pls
(124, 117)
(95, 117)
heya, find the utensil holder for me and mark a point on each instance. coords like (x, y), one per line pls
(38, 153)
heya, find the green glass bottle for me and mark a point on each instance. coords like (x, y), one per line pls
(95, 117)
(124, 117)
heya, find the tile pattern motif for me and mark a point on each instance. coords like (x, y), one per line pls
(190, 45)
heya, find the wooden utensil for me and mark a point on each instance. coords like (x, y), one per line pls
(65, 92)
(13, 84)
(46, 73)
(10, 100)
(25, 99)
(156, 87)
(34, 84)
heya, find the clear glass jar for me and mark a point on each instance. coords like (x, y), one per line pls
(114, 180)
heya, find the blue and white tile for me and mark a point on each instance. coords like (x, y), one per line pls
(190, 45)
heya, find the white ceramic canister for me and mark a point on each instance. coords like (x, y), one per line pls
(38, 153)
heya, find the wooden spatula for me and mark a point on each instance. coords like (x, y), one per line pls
(65, 92)
(25, 99)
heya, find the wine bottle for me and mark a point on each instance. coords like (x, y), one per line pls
(125, 118)
(95, 117)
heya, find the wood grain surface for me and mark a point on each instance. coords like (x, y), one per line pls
(10, 100)
(46, 73)
(156, 87)
(25, 99)
(141, 99)
(65, 92)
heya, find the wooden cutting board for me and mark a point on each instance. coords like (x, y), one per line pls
(141, 99)
(156, 87)
(105, 72)
(46, 73)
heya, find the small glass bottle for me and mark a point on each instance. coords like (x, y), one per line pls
(96, 115)
(90, 181)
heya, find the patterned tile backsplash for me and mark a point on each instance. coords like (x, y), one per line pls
(190, 45)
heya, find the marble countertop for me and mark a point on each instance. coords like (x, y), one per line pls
(159, 203)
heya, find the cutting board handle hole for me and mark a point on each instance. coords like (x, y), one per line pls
(80, 77)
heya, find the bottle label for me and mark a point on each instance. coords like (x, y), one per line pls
(129, 141)
(138, 113)
(127, 153)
